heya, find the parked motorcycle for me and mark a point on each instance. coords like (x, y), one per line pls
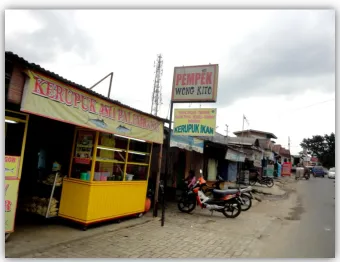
(263, 180)
(225, 201)
(245, 193)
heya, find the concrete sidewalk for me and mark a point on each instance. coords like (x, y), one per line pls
(147, 237)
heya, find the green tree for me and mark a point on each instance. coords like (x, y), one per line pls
(321, 146)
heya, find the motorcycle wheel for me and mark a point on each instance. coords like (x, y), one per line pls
(186, 205)
(232, 209)
(270, 182)
(247, 202)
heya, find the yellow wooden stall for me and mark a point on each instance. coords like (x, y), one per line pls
(108, 177)
(13, 164)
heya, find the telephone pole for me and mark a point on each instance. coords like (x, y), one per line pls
(289, 143)
(226, 133)
(157, 87)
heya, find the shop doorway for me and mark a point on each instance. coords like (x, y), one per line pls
(47, 142)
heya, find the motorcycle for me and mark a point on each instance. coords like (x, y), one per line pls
(245, 197)
(225, 201)
(263, 180)
(301, 173)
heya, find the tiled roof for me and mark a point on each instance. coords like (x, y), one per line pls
(10, 56)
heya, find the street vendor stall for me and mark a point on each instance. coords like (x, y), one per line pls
(15, 140)
(108, 177)
(111, 151)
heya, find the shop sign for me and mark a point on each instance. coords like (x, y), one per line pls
(195, 122)
(270, 170)
(84, 148)
(11, 197)
(47, 97)
(187, 142)
(234, 156)
(286, 169)
(12, 164)
(195, 84)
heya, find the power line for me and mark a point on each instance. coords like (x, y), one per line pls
(318, 103)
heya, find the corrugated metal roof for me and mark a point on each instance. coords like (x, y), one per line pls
(256, 131)
(10, 56)
(249, 141)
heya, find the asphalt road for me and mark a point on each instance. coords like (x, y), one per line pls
(311, 231)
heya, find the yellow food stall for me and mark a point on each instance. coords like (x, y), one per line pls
(15, 141)
(108, 177)
(111, 151)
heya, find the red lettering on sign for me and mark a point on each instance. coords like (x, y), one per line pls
(59, 95)
(92, 106)
(178, 78)
(10, 159)
(76, 100)
(190, 79)
(8, 205)
(208, 80)
(38, 87)
(84, 103)
(68, 97)
(184, 79)
(203, 78)
(197, 77)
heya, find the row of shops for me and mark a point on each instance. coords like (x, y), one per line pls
(75, 154)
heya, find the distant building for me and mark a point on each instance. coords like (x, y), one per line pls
(255, 134)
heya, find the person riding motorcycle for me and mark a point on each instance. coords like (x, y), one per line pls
(191, 179)
(307, 171)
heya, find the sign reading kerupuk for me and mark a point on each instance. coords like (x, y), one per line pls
(195, 122)
(50, 98)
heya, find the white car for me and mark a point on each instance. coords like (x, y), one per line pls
(331, 173)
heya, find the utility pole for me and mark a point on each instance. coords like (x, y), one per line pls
(157, 87)
(289, 143)
(226, 133)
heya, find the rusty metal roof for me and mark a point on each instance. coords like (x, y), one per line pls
(14, 58)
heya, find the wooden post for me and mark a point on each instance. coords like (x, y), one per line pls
(155, 205)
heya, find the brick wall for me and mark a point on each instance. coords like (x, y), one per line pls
(16, 86)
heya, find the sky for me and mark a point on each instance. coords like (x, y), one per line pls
(276, 67)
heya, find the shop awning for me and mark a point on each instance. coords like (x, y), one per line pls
(49, 95)
(235, 156)
(187, 142)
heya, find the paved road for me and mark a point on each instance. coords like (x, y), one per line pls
(311, 229)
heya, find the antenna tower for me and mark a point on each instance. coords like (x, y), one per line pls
(157, 87)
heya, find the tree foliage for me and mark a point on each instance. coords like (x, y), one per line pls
(321, 146)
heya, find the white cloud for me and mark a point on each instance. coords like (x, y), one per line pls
(270, 61)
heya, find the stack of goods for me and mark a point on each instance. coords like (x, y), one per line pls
(39, 206)
(50, 180)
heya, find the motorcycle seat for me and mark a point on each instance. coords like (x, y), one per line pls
(236, 187)
(225, 191)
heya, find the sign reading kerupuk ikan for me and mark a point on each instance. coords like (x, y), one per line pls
(195, 122)
(50, 98)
